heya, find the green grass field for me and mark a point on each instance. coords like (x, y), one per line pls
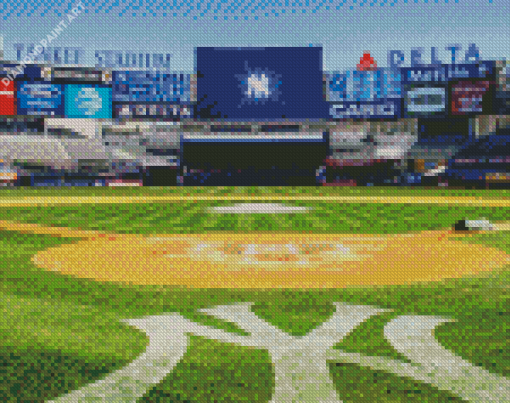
(259, 190)
(60, 333)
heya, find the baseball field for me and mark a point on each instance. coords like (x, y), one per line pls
(99, 285)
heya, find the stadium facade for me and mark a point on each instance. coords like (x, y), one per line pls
(246, 116)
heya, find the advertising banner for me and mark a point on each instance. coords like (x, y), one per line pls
(336, 87)
(76, 74)
(146, 86)
(18, 72)
(88, 101)
(40, 99)
(423, 74)
(363, 86)
(422, 101)
(7, 99)
(446, 72)
(470, 97)
(367, 86)
(387, 109)
(483, 69)
(142, 110)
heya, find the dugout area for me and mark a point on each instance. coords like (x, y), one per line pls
(253, 163)
(160, 175)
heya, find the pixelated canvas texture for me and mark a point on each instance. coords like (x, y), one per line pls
(254, 201)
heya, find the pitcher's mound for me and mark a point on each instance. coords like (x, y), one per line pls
(271, 260)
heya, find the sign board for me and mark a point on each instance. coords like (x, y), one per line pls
(76, 74)
(470, 97)
(88, 101)
(40, 99)
(363, 86)
(134, 110)
(387, 109)
(336, 87)
(423, 74)
(425, 101)
(484, 69)
(366, 85)
(21, 72)
(7, 99)
(146, 86)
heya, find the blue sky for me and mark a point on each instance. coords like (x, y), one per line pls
(344, 28)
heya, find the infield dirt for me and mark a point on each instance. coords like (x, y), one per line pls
(290, 260)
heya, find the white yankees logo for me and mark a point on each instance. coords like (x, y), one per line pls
(301, 369)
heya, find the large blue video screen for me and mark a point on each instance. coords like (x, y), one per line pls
(266, 84)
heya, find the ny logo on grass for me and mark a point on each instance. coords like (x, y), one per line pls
(300, 363)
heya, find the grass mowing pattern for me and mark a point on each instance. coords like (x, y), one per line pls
(489, 333)
(29, 323)
(470, 301)
(250, 190)
(189, 217)
(363, 385)
(236, 374)
(49, 346)
(435, 299)
(37, 376)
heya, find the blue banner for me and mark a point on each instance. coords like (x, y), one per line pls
(40, 99)
(146, 86)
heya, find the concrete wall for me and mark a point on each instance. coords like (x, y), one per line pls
(84, 128)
